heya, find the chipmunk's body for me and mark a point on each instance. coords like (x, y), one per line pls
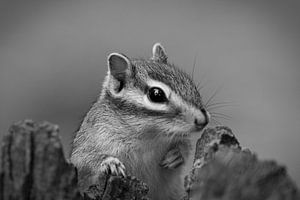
(142, 120)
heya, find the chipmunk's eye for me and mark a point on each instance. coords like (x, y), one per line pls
(157, 95)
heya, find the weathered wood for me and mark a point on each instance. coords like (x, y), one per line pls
(116, 187)
(222, 170)
(32, 166)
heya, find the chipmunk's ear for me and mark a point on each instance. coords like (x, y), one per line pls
(159, 53)
(119, 67)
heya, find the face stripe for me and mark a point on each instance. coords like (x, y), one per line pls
(130, 108)
(184, 104)
(179, 81)
(133, 101)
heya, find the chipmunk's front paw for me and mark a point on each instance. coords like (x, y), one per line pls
(172, 159)
(113, 166)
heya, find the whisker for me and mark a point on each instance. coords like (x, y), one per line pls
(220, 114)
(217, 107)
(200, 86)
(173, 134)
(194, 65)
(215, 121)
(212, 96)
(229, 103)
(220, 117)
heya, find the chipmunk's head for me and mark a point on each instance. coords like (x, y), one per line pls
(153, 95)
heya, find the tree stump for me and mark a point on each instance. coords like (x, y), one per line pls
(32, 166)
(223, 171)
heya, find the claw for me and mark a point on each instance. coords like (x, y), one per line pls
(113, 166)
(172, 159)
(176, 163)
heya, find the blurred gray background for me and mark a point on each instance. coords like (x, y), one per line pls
(53, 60)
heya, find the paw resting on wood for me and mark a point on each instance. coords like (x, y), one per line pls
(93, 185)
(172, 159)
(111, 182)
(113, 166)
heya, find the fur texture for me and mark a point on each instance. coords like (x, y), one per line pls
(142, 134)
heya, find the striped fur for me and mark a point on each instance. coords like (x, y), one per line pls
(125, 124)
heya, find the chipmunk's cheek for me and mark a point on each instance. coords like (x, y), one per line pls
(180, 125)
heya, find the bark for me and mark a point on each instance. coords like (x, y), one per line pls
(33, 166)
(223, 171)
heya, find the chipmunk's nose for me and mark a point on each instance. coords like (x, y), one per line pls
(202, 121)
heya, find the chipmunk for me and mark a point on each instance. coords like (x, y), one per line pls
(141, 124)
